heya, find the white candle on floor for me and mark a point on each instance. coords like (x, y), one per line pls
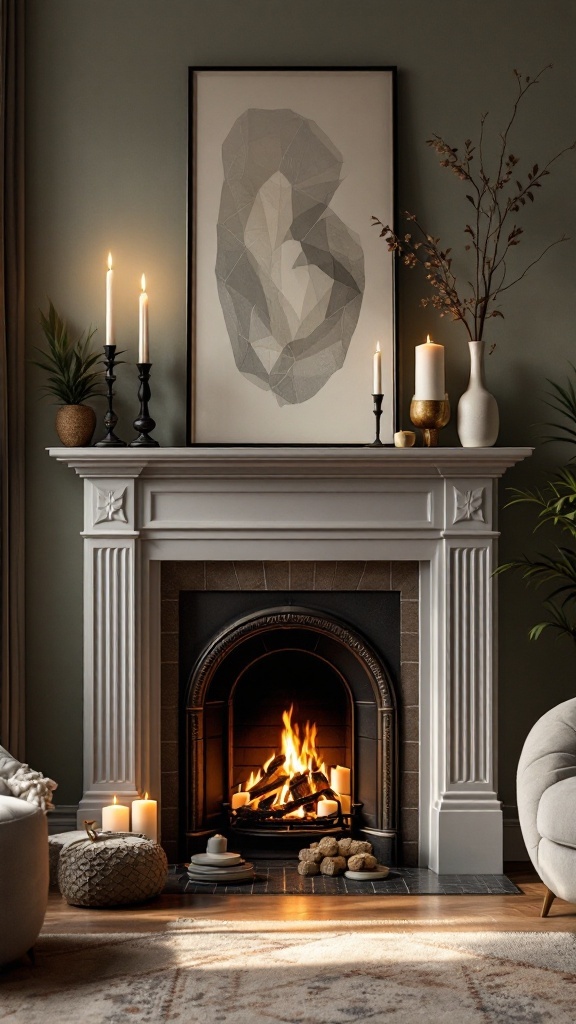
(145, 817)
(116, 817)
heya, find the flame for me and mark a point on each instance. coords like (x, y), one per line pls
(109, 261)
(115, 798)
(428, 339)
(377, 346)
(143, 282)
(298, 746)
(146, 795)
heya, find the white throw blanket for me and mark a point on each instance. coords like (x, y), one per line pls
(20, 780)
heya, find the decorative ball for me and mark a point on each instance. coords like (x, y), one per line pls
(115, 870)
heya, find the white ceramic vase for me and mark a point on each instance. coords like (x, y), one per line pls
(478, 419)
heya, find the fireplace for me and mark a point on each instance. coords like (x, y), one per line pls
(344, 653)
(320, 679)
(250, 506)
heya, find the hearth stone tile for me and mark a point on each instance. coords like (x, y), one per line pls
(250, 575)
(221, 576)
(169, 647)
(168, 723)
(410, 756)
(170, 790)
(170, 620)
(409, 724)
(178, 576)
(410, 854)
(324, 573)
(408, 790)
(376, 576)
(277, 575)
(169, 689)
(301, 575)
(274, 877)
(409, 824)
(169, 756)
(404, 577)
(409, 617)
(409, 647)
(410, 683)
(348, 575)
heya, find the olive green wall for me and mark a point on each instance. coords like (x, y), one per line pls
(106, 158)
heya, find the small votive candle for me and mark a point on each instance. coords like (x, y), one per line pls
(145, 817)
(326, 807)
(404, 439)
(116, 817)
(239, 800)
(217, 844)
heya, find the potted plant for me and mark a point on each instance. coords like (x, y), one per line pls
(71, 378)
(496, 196)
(554, 567)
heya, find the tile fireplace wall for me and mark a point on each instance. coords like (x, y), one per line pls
(287, 577)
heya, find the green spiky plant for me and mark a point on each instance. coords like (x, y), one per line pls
(69, 364)
(555, 506)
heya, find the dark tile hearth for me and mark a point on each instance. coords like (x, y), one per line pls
(280, 878)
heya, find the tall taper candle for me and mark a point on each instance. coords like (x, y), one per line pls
(109, 303)
(143, 347)
(377, 367)
(430, 385)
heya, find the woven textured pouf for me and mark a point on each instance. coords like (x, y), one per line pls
(56, 844)
(113, 870)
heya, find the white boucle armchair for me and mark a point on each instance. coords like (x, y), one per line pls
(546, 789)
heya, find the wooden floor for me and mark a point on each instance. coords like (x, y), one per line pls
(401, 913)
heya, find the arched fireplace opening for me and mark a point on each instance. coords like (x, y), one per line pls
(253, 689)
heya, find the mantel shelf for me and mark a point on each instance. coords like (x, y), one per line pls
(248, 461)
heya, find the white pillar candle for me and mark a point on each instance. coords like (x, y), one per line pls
(345, 802)
(145, 817)
(143, 346)
(109, 302)
(377, 371)
(116, 817)
(326, 807)
(240, 800)
(340, 780)
(430, 384)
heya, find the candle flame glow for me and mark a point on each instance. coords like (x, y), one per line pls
(109, 261)
(428, 339)
(377, 346)
(115, 798)
(143, 282)
(146, 795)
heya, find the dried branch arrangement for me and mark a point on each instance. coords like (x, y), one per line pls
(496, 197)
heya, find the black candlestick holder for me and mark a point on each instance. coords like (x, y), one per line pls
(378, 399)
(110, 419)
(144, 422)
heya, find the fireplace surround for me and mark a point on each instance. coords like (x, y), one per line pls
(218, 504)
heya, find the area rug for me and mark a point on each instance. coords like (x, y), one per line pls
(331, 973)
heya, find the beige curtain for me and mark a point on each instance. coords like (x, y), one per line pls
(12, 367)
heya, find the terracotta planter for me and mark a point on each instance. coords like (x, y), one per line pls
(75, 425)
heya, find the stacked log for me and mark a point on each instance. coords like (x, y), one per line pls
(332, 857)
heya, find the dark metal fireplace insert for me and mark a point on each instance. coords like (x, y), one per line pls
(252, 671)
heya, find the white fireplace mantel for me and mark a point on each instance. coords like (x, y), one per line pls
(435, 506)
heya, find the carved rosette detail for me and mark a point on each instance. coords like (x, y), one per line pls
(110, 506)
(468, 505)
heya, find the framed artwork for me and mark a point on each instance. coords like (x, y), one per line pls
(290, 287)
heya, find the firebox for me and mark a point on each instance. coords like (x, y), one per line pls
(290, 728)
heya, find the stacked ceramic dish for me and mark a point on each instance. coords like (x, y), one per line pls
(224, 868)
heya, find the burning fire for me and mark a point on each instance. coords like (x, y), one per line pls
(297, 775)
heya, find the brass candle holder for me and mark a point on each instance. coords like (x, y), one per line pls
(430, 415)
